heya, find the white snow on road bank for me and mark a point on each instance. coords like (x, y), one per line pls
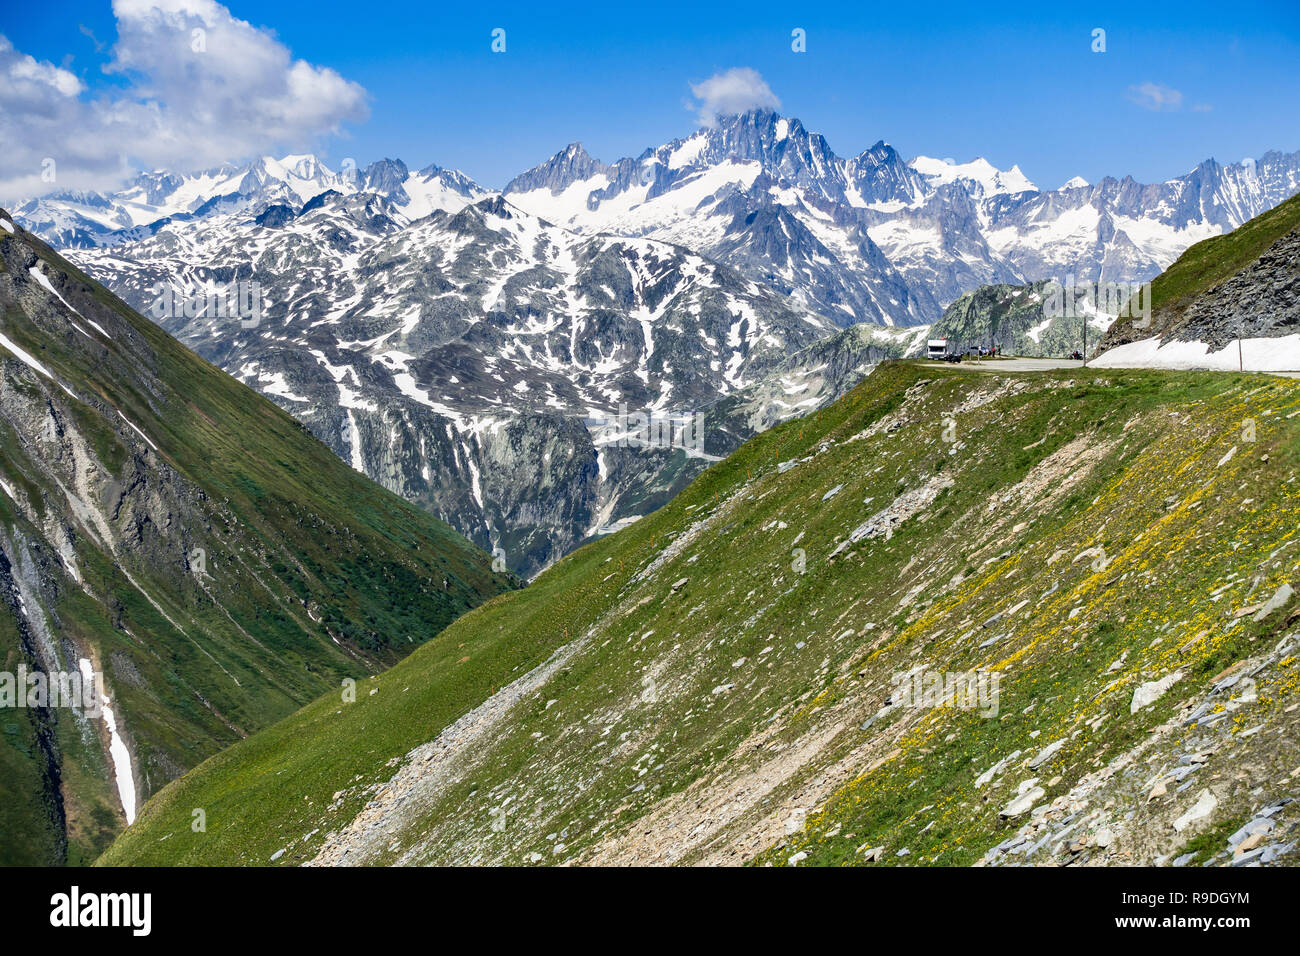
(1280, 354)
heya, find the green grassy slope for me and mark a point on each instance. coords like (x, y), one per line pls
(1204, 265)
(682, 690)
(313, 573)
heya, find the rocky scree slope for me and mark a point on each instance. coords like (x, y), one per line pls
(718, 683)
(186, 539)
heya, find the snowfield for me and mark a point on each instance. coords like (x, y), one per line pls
(1279, 354)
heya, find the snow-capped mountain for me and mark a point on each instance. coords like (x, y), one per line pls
(88, 219)
(979, 177)
(876, 238)
(758, 192)
(868, 238)
(477, 361)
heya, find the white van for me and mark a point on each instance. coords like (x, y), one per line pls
(938, 348)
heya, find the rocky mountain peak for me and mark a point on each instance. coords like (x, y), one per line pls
(570, 165)
(385, 176)
(882, 175)
(782, 145)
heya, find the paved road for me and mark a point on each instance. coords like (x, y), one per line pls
(1009, 365)
(1043, 365)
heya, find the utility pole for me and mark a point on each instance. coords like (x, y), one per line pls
(1241, 362)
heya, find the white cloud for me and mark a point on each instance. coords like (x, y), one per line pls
(735, 91)
(1153, 96)
(24, 76)
(198, 87)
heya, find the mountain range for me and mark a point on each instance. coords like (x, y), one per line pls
(479, 362)
(469, 349)
(876, 238)
(868, 238)
(82, 219)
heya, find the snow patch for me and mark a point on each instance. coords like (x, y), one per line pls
(1279, 354)
(117, 748)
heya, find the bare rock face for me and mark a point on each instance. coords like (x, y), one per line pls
(1260, 301)
(1258, 296)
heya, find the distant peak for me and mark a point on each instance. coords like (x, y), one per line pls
(879, 153)
(496, 205)
(979, 170)
(571, 164)
(759, 116)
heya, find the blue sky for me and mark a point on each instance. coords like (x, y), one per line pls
(419, 81)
